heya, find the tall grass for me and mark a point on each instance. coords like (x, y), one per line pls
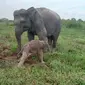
(65, 66)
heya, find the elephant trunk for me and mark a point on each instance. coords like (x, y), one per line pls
(47, 45)
(43, 36)
(18, 34)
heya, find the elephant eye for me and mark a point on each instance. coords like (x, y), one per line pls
(16, 16)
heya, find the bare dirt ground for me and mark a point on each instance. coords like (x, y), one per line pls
(8, 59)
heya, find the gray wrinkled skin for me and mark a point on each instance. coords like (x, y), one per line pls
(37, 21)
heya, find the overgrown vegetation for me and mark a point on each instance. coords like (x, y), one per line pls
(65, 66)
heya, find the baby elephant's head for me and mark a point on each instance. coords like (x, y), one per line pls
(44, 45)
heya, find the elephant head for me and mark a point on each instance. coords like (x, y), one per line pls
(29, 20)
(19, 16)
(22, 24)
(21, 19)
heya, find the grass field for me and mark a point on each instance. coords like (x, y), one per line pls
(65, 66)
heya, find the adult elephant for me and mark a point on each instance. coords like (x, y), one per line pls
(37, 21)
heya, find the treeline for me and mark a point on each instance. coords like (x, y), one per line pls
(7, 21)
(73, 23)
(68, 23)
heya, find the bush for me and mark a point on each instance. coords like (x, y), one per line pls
(73, 23)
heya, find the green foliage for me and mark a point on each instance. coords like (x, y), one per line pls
(65, 66)
(73, 23)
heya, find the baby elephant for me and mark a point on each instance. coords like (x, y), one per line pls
(32, 48)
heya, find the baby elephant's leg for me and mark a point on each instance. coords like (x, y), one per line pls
(23, 58)
(40, 55)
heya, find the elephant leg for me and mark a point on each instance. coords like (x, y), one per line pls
(54, 43)
(23, 58)
(50, 43)
(55, 38)
(30, 36)
(40, 56)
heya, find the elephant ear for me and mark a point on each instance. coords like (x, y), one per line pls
(15, 12)
(31, 11)
(35, 17)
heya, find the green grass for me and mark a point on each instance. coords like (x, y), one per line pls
(65, 66)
